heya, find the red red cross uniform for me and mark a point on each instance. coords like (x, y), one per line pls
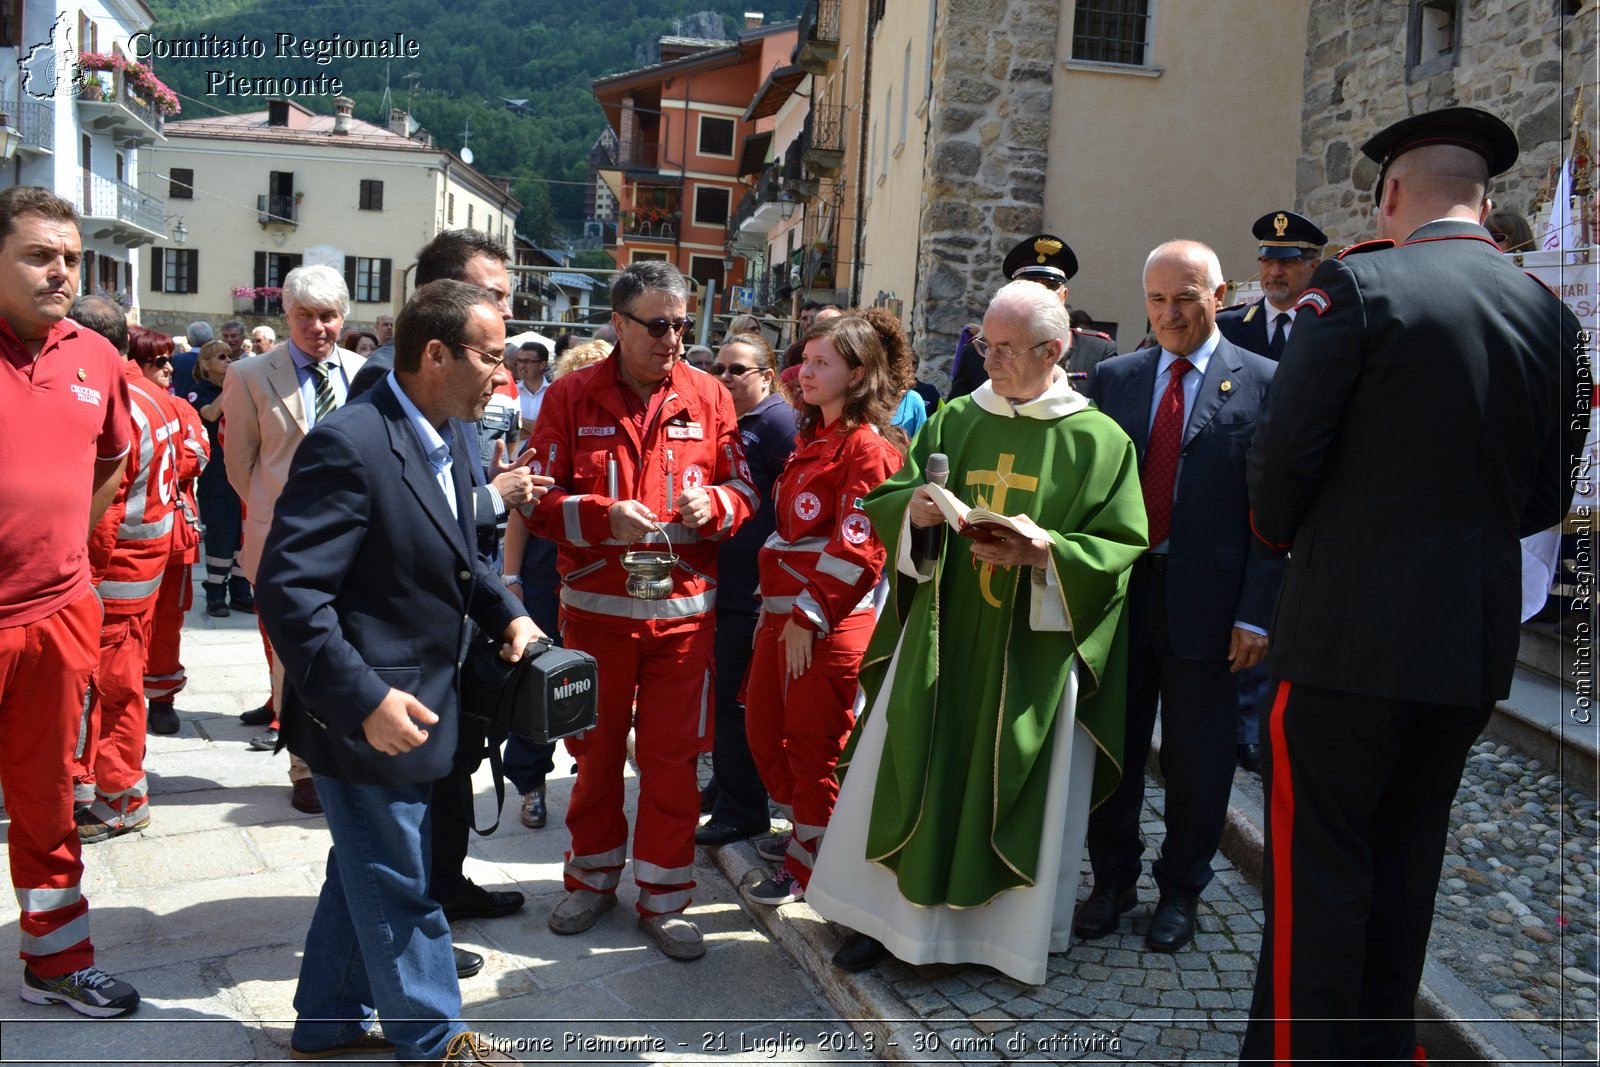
(64, 410)
(654, 656)
(134, 539)
(818, 571)
(164, 676)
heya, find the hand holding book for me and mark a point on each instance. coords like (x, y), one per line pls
(1002, 540)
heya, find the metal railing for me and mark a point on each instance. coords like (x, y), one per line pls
(274, 208)
(104, 198)
(821, 22)
(637, 152)
(38, 125)
(826, 128)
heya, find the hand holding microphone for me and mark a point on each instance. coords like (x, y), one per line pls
(927, 542)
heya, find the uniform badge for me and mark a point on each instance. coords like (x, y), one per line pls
(744, 471)
(855, 528)
(535, 468)
(1046, 247)
(807, 506)
(1280, 224)
(1316, 300)
(82, 377)
(693, 476)
(1226, 385)
(1248, 315)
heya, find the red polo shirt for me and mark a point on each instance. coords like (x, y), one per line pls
(58, 414)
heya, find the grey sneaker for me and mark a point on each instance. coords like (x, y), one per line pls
(773, 849)
(781, 888)
(90, 991)
(580, 910)
(674, 935)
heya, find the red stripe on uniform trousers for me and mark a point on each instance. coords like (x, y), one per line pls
(1282, 801)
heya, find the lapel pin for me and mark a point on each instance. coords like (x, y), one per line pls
(1226, 385)
(82, 377)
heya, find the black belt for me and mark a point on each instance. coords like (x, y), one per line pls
(1152, 562)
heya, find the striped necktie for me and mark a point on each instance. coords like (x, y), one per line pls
(326, 401)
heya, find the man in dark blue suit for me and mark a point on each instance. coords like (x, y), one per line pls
(1198, 601)
(376, 584)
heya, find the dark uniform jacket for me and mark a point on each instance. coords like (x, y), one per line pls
(1426, 415)
(1254, 335)
(1215, 575)
(369, 582)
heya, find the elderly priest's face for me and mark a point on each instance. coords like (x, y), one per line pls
(1020, 364)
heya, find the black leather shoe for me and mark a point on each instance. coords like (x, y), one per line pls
(476, 902)
(467, 963)
(1172, 926)
(163, 719)
(258, 716)
(716, 834)
(859, 953)
(1250, 758)
(1101, 914)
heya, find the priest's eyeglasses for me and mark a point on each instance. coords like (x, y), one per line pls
(488, 357)
(1003, 352)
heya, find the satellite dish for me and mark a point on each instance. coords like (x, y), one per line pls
(466, 156)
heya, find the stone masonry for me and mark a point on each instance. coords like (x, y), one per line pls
(1522, 60)
(983, 188)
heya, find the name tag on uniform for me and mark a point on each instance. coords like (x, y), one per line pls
(689, 431)
(596, 431)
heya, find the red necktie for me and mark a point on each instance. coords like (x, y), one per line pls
(1160, 474)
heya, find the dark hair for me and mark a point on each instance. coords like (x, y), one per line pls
(566, 341)
(631, 282)
(1513, 228)
(871, 401)
(765, 358)
(535, 346)
(811, 305)
(145, 346)
(233, 324)
(32, 200)
(105, 317)
(447, 255)
(438, 311)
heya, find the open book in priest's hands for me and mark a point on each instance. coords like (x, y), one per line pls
(980, 524)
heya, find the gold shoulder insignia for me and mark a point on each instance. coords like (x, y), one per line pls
(1248, 315)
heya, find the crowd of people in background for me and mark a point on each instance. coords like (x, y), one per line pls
(931, 634)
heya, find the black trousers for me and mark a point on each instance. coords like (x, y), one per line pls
(740, 798)
(1359, 793)
(1199, 702)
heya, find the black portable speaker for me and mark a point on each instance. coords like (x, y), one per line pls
(549, 694)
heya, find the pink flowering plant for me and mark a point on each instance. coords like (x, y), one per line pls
(137, 76)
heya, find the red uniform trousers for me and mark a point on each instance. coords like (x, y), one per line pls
(798, 726)
(668, 665)
(164, 676)
(113, 757)
(45, 671)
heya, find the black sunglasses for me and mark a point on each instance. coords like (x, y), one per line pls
(659, 327)
(734, 370)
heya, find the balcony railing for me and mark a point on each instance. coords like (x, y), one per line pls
(112, 104)
(664, 227)
(827, 128)
(105, 199)
(638, 153)
(819, 36)
(38, 125)
(272, 208)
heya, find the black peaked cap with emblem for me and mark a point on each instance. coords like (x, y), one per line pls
(1285, 235)
(1466, 127)
(1041, 256)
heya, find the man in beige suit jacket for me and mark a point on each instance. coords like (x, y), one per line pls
(269, 404)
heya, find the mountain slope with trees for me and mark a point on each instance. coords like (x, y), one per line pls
(473, 57)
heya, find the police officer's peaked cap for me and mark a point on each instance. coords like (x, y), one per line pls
(1285, 235)
(1466, 127)
(1042, 256)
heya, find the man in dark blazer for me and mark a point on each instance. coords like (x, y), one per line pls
(376, 587)
(1198, 601)
(1428, 412)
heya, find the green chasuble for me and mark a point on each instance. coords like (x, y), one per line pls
(958, 807)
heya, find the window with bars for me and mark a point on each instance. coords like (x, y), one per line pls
(368, 279)
(1435, 38)
(1112, 31)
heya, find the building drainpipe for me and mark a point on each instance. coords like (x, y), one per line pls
(862, 177)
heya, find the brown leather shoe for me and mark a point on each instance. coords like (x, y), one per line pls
(303, 797)
(534, 813)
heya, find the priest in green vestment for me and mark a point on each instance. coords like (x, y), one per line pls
(994, 681)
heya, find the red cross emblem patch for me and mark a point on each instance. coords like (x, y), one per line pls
(807, 506)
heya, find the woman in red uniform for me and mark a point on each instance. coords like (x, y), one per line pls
(818, 571)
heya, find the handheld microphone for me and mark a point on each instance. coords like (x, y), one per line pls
(928, 541)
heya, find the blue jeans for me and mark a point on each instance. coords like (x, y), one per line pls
(378, 943)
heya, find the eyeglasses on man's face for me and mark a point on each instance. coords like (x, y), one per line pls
(488, 357)
(1003, 352)
(659, 327)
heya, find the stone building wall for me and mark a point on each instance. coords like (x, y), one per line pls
(983, 186)
(1522, 60)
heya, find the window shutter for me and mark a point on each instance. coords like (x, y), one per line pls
(386, 266)
(192, 277)
(350, 274)
(157, 272)
(261, 270)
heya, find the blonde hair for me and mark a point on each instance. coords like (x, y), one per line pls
(579, 356)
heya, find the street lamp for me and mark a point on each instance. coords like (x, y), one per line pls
(9, 137)
(179, 234)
